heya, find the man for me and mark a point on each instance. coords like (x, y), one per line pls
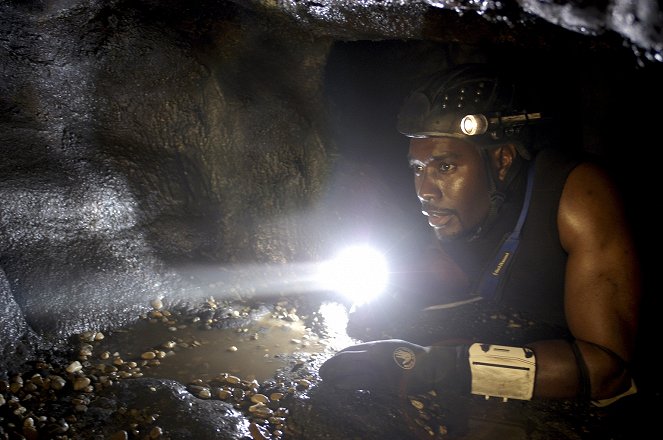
(518, 227)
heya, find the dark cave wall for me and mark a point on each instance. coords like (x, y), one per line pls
(137, 139)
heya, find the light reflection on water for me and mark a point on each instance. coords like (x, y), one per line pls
(255, 351)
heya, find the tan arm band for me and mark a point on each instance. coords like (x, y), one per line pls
(501, 371)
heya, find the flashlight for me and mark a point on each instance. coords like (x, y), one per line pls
(359, 273)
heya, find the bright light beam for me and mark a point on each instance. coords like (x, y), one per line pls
(360, 273)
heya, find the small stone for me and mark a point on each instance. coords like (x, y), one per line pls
(259, 398)
(57, 382)
(238, 394)
(74, 367)
(258, 432)
(120, 435)
(417, 404)
(261, 410)
(81, 383)
(223, 394)
(233, 380)
(303, 384)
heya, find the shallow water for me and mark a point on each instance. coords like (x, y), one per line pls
(254, 351)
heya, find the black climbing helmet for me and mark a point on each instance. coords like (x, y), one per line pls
(472, 102)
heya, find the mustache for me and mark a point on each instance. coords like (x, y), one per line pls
(429, 210)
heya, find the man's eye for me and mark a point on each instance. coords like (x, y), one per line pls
(446, 167)
(417, 169)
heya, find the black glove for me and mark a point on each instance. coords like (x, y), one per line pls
(397, 366)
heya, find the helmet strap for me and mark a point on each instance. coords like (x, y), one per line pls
(496, 194)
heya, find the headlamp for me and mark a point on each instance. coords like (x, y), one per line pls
(473, 125)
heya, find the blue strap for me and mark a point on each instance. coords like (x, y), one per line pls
(500, 265)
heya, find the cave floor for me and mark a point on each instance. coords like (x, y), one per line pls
(248, 370)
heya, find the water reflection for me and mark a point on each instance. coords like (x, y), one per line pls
(184, 350)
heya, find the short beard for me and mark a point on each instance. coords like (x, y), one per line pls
(462, 235)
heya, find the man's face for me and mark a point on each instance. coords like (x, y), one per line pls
(451, 183)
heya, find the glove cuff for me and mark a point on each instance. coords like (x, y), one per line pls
(463, 371)
(451, 368)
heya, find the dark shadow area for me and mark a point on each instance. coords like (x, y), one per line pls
(607, 104)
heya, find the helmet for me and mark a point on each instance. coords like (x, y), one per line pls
(475, 103)
(471, 102)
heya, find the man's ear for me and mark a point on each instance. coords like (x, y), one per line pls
(503, 156)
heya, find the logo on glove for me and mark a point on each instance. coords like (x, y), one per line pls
(405, 358)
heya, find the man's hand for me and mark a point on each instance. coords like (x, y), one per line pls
(396, 366)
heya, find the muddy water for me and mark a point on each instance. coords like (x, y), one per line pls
(187, 351)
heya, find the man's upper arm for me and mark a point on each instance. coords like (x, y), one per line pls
(602, 286)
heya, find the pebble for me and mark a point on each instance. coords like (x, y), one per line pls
(233, 380)
(303, 384)
(259, 398)
(258, 432)
(120, 435)
(74, 367)
(417, 404)
(262, 411)
(223, 394)
(57, 382)
(156, 304)
(81, 383)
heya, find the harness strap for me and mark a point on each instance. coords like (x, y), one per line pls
(497, 270)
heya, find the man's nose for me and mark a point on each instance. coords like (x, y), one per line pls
(427, 187)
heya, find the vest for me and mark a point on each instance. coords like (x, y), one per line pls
(534, 284)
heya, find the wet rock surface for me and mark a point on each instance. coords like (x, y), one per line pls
(107, 387)
(98, 389)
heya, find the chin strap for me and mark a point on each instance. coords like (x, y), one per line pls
(496, 196)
